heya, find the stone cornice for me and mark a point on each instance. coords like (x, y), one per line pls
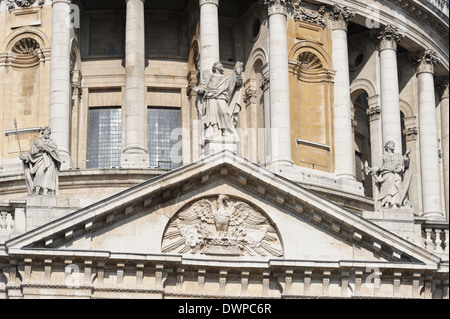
(426, 61)
(339, 17)
(388, 37)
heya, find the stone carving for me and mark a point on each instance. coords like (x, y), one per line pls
(310, 15)
(25, 46)
(340, 17)
(219, 101)
(426, 61)
(281, 6)
(12, 4)
(388, 37)
(221, 226)
(309, 61)
(393, 178)
(42, 165)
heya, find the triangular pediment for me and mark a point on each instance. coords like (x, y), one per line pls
(277, 219)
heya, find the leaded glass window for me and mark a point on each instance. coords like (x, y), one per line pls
(164, 137)
(104, 137)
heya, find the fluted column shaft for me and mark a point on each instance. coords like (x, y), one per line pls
(279, 86)
(428, 135)
(390, 101)
(343, 133)
(60, 86)
(209, 35)
(135, 150)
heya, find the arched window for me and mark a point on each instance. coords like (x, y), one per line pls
(362, 140)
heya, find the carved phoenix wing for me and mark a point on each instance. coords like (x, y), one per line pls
(201, 210)
(244, 214)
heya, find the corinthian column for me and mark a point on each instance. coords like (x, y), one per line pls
(390, 101)
(428, 135)
(135, 152)
(343, 134)
(209, 35)
(279, 82)
(60, 86)
(443, 86)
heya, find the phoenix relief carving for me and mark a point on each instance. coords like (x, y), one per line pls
(221, 226)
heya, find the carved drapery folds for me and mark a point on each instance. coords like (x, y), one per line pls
(339, 17)
(388, 38)
(426, 61)
(221, 225)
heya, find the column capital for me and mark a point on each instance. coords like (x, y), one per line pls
(411, 133)
(202, 2)
(388, 38)
(265, 83)
(425, 61)
(339, 17)
(280, 6)
(374, 113)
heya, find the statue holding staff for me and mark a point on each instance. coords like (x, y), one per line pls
(42, 165)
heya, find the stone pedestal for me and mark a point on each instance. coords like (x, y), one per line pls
(41, 210)
(220, 144)
(400, 221)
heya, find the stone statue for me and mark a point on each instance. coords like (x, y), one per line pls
(219, 101)
(42, 165)
(393, 178)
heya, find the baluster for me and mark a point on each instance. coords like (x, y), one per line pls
(446, 239)
(428, 241)
(438, 240)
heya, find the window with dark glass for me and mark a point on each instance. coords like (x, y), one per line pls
(104, 137)
(164, 137)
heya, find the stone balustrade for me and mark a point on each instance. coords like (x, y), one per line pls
(6, 223)
(441, 5)
(12, 219)
(436, 238)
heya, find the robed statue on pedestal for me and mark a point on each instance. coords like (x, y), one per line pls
(393, 178)
(42, 165)
(219, 101)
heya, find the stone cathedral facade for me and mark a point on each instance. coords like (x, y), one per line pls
(224, 148)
